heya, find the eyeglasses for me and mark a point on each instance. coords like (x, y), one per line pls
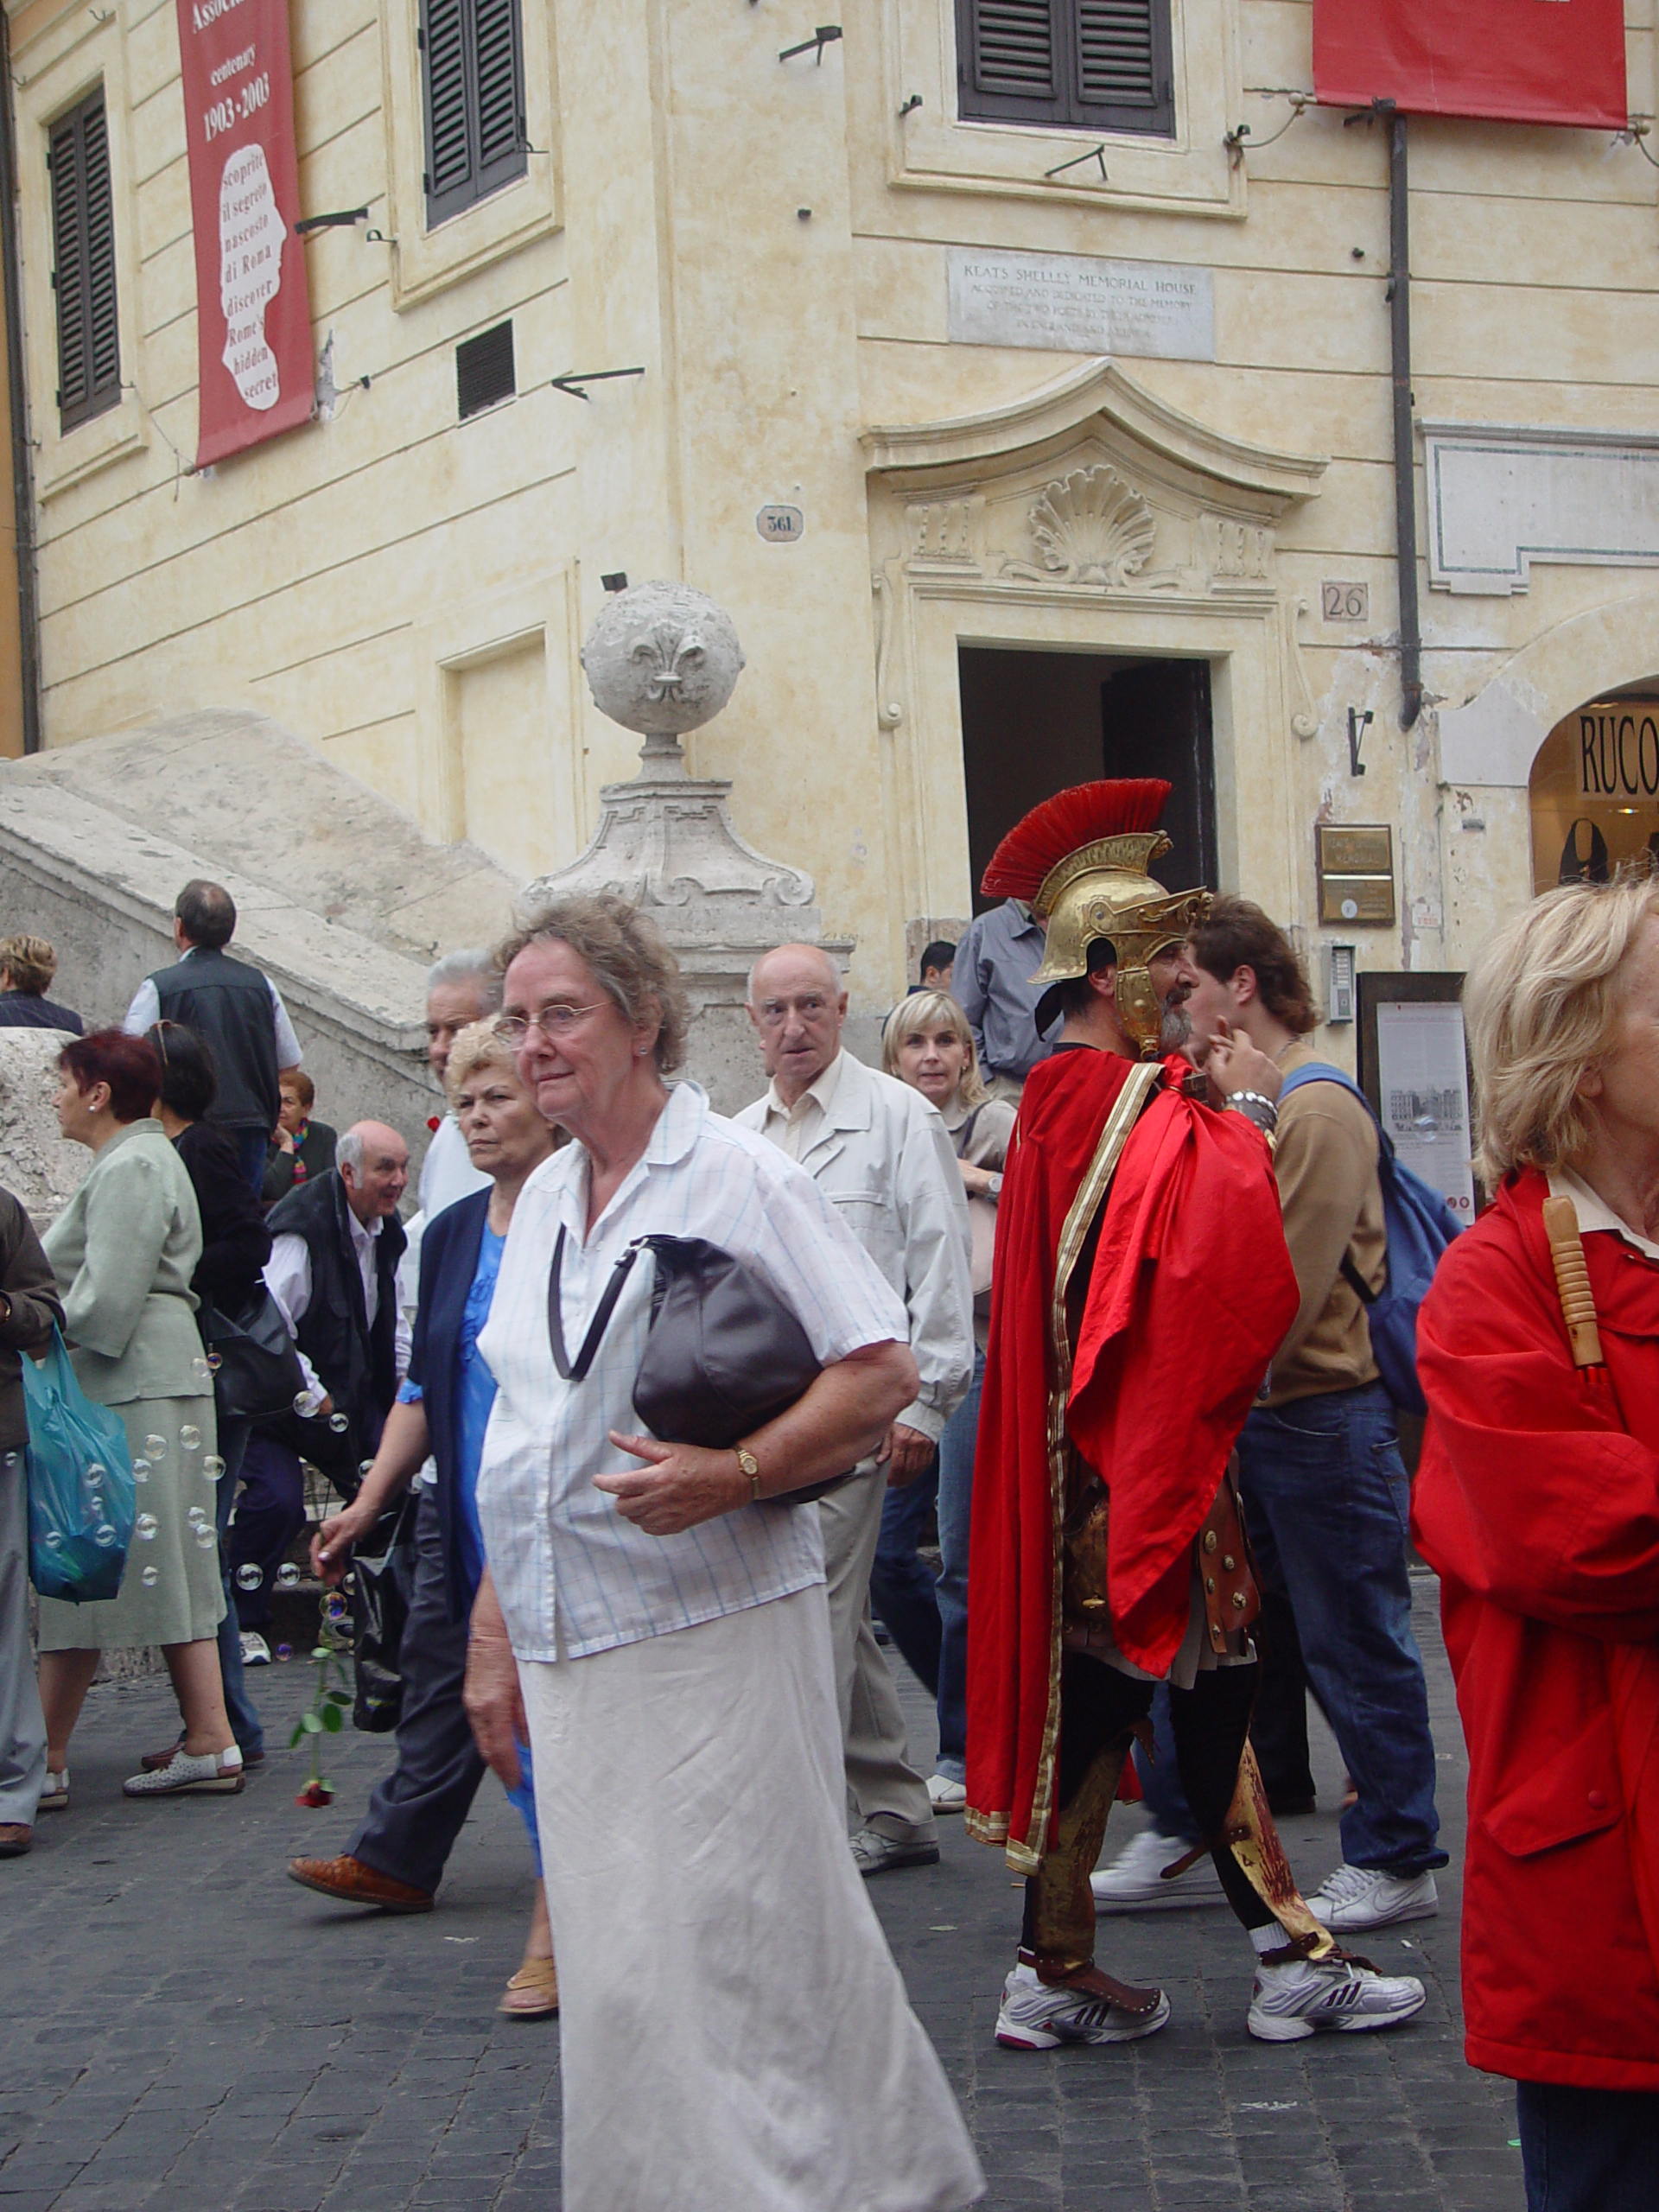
(556, 1023)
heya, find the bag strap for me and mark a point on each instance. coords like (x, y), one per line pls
(577, 1371)
(964, 1132)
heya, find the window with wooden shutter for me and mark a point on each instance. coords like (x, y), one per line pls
(473, 76)
(1099, 65)
(83, 275)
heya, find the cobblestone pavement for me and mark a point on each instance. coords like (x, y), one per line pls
(187, 2031)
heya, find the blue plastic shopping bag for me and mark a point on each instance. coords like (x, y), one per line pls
(81, 1499)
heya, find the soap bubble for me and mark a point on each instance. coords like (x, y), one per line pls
(54, 1541)
(144, 1527)
(364, 1467)
(205, 1540)
(95, 1508)
(215, 1361)
(200, 1368)
(140, 1471)
(248, 1577)
(287, 1576)
(338, 1423)
(213, 1467)
(197, 1516)
(284, 1651)
(190, 1437)
(305, 1405)
(156, 1447)
(98, 1472)
(150, 1577)
(104, 1537)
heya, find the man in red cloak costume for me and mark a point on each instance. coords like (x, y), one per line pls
(1142, 1286)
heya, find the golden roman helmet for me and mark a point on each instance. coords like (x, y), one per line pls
(1081, 860)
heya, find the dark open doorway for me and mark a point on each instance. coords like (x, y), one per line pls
(1033, 722)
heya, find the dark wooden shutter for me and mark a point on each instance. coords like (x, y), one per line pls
(83, 244)
(474, 83)
(1095, 64)
(1114, 52)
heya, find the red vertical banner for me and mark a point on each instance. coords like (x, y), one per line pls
(1519, 60)
(252, 314)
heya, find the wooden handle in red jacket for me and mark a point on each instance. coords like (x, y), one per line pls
(1572, 1282)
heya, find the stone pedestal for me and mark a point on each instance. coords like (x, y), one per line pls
(661, 658)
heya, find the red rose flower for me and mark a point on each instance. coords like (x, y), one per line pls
(435, 1123)
(314, 1794)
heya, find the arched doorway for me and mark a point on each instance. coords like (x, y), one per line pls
(1593, 791)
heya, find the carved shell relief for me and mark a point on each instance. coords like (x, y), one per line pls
(1090, 527)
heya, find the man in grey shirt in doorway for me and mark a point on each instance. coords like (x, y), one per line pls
(1000, 952)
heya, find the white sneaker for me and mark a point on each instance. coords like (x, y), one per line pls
(1306, 1996)
(255, 1652)
(946, 1796)
(1134, 1883)
(1370, 1896)
(1036, 2015)
(214, 1774)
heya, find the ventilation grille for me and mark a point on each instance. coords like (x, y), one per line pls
(484, 370)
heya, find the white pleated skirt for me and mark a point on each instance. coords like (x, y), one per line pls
(734, 2035)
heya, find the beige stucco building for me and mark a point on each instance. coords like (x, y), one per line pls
(1124, 413)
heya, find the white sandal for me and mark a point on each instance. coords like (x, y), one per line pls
(54, 1797)
(213, 1774)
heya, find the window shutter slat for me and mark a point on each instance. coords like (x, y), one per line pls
(446, 95)
(499, 103)
(83, 278)
(1115, 52)
(1013, 48)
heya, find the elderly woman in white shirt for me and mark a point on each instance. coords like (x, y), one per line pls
(734, 2032)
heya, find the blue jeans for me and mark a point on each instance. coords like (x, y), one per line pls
(1587, 2150)
(1327, 1500)
(956, 1510)
(901, 1588)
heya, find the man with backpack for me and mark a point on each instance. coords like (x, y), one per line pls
(1327, 1495)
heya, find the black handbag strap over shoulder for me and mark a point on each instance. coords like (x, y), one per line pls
(577, 1371)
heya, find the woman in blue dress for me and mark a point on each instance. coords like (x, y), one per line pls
(396, 1858)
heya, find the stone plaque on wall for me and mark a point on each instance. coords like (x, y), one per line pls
(1072, 303)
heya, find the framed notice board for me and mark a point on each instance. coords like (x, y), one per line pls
(1414, 1067)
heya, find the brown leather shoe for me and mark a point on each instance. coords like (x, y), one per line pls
(353, 1883)
(15, 1837)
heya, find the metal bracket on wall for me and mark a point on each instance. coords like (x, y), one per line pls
(573, 379)
(825, 34)
(1357, 726)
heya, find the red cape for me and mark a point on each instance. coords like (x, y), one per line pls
(1191, 1292)
(1538, 1503)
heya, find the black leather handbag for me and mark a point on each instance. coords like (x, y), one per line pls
(257, 1370)
(725, 1354)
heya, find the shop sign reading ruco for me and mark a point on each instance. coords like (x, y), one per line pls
(1616, 748)
(253, 317)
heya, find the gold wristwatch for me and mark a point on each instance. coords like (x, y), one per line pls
(751, 1467)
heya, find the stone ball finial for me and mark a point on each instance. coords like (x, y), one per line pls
(661, 658)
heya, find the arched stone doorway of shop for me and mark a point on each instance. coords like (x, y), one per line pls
(1593, 792)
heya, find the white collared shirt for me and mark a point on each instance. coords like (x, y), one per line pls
(794, 1129)
(571, 1573)
(1594, 1213)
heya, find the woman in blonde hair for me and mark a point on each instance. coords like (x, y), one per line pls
(1537, 1504)
(928, 1044)
(27, 967)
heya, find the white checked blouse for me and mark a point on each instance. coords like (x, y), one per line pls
(571, 1573)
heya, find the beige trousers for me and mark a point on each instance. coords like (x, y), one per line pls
(880, 1777)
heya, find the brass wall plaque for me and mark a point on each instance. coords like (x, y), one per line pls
(1357, 872)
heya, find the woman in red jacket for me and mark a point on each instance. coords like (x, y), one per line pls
(1538, 1505)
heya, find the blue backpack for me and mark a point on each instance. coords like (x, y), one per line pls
(1420, 1226)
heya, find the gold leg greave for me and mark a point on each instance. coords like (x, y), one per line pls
(1063, 1917)
(1253, 1841)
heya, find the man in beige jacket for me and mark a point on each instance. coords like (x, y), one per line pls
(880, 1155)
